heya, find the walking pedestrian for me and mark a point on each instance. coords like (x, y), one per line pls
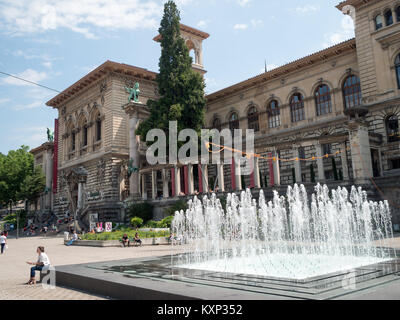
(3, 242)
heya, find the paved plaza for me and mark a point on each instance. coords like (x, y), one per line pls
(15, 271)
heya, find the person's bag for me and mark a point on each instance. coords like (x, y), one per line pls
(6, 246)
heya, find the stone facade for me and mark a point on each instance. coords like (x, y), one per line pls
(343, 102)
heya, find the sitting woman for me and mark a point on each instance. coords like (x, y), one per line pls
(125, 240)
(137, 239)
(42, 262)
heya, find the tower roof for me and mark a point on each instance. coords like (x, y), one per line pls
(184, 28)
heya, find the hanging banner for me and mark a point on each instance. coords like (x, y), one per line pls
(55, 157)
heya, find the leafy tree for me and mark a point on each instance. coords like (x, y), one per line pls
(14, 168)
(181, 89)
(142, 210)
(136, 222)
(33, 186)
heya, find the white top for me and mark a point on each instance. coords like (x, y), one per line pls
(75, 236)
(3, 239)
(44, 258)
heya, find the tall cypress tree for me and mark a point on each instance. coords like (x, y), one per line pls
(181, 89)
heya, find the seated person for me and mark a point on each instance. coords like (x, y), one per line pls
(125, 240)
(137, 239)
(74, 238)
(42, 263)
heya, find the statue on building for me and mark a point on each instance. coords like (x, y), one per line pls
(131, 168)
(133, 93)
(50, 135)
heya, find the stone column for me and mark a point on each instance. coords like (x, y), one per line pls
(221, 178)
(360, 151)
(297, 165)
(80, 196)
(165, 184)
(134, 155)
(177, 172)
(320, 163)
(256, 173)
(271, 170)
(277, 171)
(238, 175)
(345, 165)
(144, 191)
(204, 178)
(153, 184)
(190, 178)
(136, 112)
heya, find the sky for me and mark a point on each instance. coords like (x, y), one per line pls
(56, 42)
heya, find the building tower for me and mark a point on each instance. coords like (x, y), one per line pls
(194, 41)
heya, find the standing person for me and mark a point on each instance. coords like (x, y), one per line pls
(3, 242)
(42, 262)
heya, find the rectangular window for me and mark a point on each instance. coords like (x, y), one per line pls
(326, 149)
(395, 164)
(73, 142)
(398, 76)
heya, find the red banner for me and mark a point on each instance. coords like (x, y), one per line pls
(55, 157)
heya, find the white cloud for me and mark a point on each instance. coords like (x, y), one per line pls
(240, 26)
(256, 23)
(29, 74)
(203, 23)
(81, 16)
(31, 136)
(344, 33)
(5, 100)
(308, 8)
(243, 3)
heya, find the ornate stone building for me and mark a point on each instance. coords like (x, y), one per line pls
(330, 117)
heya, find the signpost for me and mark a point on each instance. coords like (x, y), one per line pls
(108, 226)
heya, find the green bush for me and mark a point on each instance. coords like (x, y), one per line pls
(136, 222)
(12, 219)
(152, 224)
(142, 210)
(117, 235)
(177, 206)
(166, 222)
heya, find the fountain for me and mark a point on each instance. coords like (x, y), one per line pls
(327, 246)
(290, 237)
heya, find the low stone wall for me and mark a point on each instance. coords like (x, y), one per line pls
(116, 243)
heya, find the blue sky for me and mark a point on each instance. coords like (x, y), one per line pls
(56, 42)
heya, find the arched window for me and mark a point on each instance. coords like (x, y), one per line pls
(233, 122)
(84, 135)
(397, 67)
(73, 141)
(98, 128)
(389, 17)
(378, 22)
(323, 100)
(297, 107)
(352, 92)
(274, 114)
(217, 124)
(253, 119)
(392, 128)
